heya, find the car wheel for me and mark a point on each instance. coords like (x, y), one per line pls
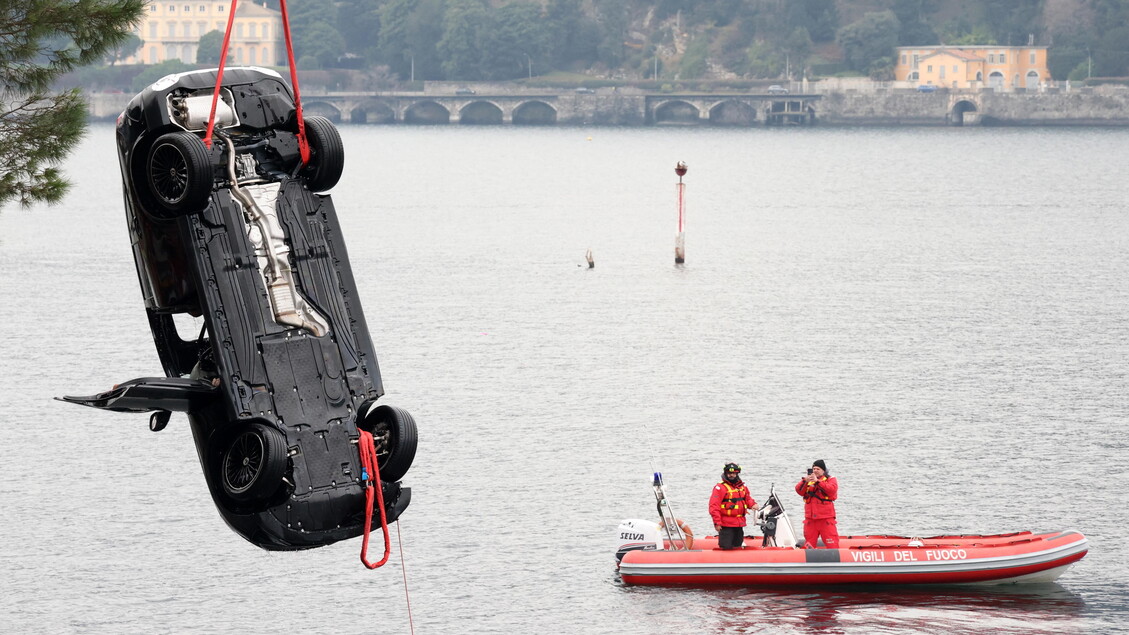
(394, 431)
(253, 463)
(327, 154)
(180, 173)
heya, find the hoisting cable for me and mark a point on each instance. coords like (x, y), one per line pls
(369, 465)
(303, 144)
(219, 75)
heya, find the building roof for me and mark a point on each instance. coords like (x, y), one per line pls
(252, 10)
(957, 53)
(971, 47)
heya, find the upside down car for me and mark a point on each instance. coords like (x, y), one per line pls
(282, 376)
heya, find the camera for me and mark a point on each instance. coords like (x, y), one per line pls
(809, 470)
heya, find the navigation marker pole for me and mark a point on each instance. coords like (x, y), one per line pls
(680, 239)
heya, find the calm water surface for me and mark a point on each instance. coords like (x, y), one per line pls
(939, 314)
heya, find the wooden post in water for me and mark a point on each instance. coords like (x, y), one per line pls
(680, 239)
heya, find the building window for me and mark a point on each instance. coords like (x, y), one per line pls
(915, 60)
(203, 8)
(152, 30)
(172, 9)
(1032, 57)
(172, 33)
(254, 27)
(202, 27)
(929, 69)
(239, 33)
(187, 8)
(942, 72)
(1003, 58)
(954, 68)
(991, 58)
(220, 8)
(152, 8)
(187, 28)
(903, 59)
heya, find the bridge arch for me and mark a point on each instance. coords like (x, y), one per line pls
(481, 113)
(677, 112)
(960, 109)
(428, 113)
(373, 112)
(534, 113)
(733, 113)
(321, 109)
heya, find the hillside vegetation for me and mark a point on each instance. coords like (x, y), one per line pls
(630, 40)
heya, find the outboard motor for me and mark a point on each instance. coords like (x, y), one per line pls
(635, 534)
(775, 524)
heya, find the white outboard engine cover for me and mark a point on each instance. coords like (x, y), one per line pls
(634, 534)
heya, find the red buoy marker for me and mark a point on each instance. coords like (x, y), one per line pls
(680, 240)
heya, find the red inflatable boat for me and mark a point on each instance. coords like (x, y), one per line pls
(664, 553)
(999, 559)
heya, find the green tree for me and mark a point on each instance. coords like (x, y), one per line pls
(870, 41)
(313, 25)
(39, 41)
(459, 48)
(209, 49)
(693, 64)
(124, 49)
(409, 31)
(515, 39)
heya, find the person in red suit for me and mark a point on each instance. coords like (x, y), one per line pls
(819, 490)
(729, 503)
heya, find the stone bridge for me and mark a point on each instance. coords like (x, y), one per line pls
(604, 108)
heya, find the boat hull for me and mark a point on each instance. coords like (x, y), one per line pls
(864, 560)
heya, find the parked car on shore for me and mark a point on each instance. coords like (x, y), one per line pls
(464, 91)
(776, 89)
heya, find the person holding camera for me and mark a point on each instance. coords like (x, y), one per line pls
(819, 490)
(729, 503)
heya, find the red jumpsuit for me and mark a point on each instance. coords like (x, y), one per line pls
(819, 511)
(729, 504)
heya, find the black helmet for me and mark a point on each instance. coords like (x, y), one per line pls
(731, 467)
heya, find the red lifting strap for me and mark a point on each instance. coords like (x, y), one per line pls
(367, 447)
(303, 145)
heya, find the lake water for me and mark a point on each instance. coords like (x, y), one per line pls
(940, 314)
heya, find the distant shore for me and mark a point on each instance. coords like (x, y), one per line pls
(864, 104)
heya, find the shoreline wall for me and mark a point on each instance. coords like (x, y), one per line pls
(1107, 106)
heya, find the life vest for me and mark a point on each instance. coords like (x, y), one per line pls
(810, 492)
(734, 502)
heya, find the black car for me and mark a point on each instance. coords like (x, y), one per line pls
(282, 375)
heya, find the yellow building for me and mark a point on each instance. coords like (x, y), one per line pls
(1000, 67)
(172, 30)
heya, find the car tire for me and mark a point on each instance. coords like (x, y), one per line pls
(179, 172)
(253, 463)
(327, 154)
(398, 428)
